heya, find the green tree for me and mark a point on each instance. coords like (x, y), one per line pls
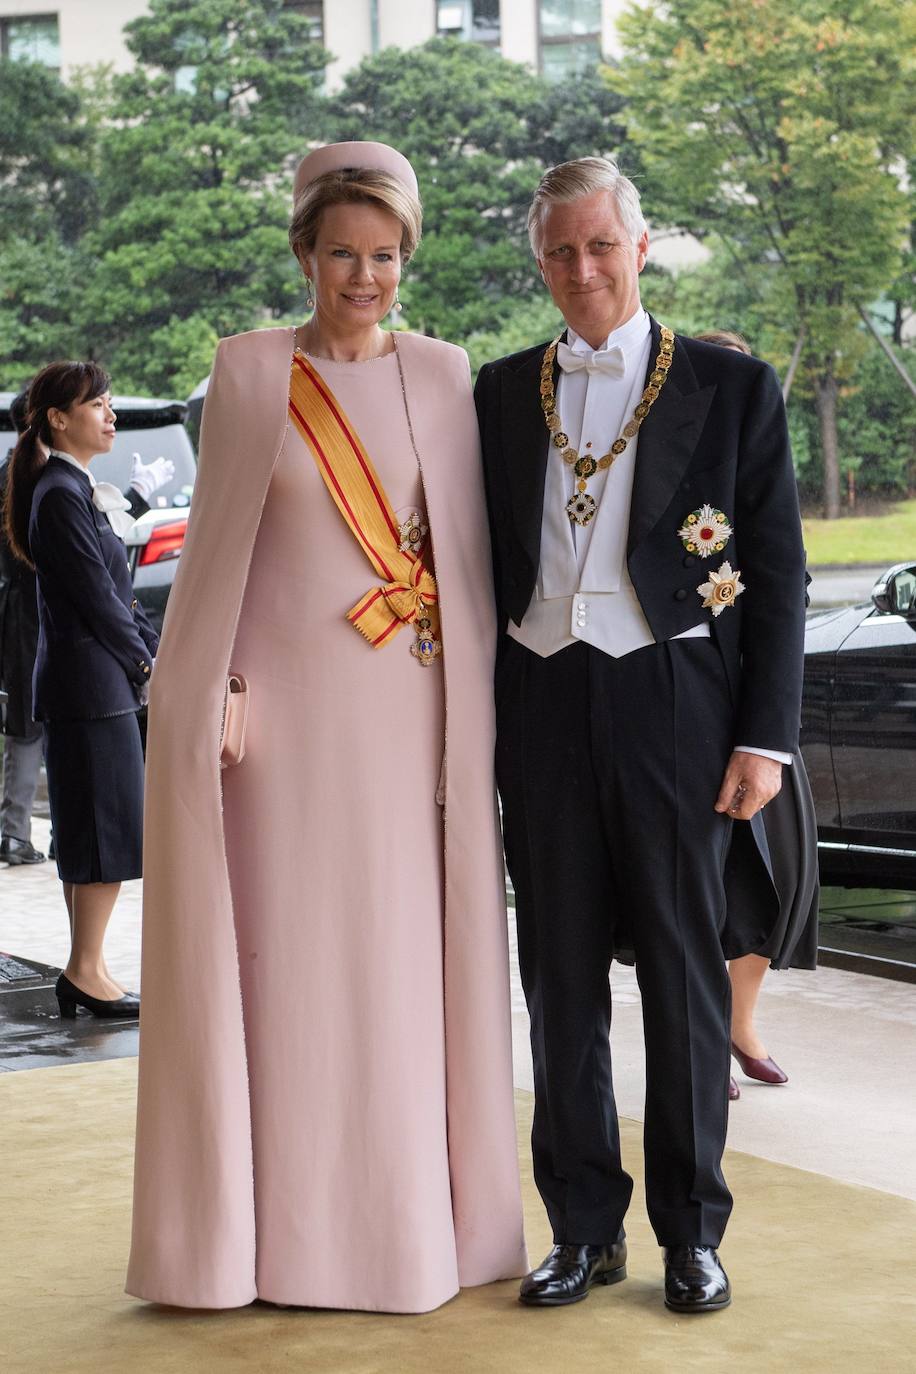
(479, 131)
(878, 427)
(753, 300)
(531, 322)
(197, 156)
(781, 125)
(877, 416)
(724, 293)
(47, 201)
(902, 292)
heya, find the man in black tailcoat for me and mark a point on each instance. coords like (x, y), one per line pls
(650, 584)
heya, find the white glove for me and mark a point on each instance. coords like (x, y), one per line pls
(142, 688)
(145, 478)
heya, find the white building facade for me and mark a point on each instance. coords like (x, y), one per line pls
(67, 34)
(556, 37)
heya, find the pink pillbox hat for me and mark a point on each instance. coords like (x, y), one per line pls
(335, 156)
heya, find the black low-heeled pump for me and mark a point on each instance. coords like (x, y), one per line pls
(69, 997)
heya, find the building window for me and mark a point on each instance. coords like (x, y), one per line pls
(570, 36)
(31, 38)
(313, 11)
(563, 59)
(475, 20)
(570, 18)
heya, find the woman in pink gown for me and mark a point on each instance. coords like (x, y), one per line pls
(325, 1113)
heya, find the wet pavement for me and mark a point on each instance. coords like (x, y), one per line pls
(869, 923)
(34, 930)
(857, 927)
(34, 1036)
(846, 1040)
(843, 586)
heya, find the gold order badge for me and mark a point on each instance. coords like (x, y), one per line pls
(582, 507)
(426, 648)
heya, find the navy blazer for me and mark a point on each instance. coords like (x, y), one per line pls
(95, 645)
(716, 434)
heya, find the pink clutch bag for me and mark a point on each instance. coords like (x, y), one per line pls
(235, 719)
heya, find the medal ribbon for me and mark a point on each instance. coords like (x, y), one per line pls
(347, 471)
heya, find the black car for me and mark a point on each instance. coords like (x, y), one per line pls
(859, 735)
(153, 428)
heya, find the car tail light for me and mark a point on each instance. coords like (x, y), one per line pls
(164, 543)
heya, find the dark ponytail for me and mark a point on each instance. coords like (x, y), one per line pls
(57, 387)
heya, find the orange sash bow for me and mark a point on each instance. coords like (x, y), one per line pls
(409, 593)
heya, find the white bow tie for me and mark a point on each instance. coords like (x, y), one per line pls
(611, 361)
(106, 497)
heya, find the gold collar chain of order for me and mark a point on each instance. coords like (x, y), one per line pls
(581, 507)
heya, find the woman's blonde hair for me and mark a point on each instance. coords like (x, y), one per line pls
(725, 339)
(355, 186)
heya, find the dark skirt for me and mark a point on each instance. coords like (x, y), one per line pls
(774, 912)
(791, 828)
(95, 793)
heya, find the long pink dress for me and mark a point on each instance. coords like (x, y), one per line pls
(338, 910)
(325, 1110)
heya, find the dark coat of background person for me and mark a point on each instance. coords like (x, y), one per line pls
(708, 438)
(95, 643)
(19, 626)
(18, 635)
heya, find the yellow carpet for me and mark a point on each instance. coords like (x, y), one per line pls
(822, 1274)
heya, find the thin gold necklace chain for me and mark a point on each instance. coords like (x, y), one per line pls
(413, 442)
(581, 507)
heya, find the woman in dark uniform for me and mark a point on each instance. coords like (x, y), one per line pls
(95, 656)
(791, 829)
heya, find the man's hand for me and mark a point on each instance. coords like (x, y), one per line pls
(750, 781)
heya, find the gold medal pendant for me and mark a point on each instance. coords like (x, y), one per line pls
(426, 648)
(581, 508)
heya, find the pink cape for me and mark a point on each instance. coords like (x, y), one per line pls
(194, 1220)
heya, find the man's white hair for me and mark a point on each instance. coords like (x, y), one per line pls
(583, 176)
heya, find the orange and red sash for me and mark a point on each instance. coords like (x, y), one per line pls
(409, 593)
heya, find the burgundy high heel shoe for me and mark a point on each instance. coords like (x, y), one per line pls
(764, 1070)
(734, 1092)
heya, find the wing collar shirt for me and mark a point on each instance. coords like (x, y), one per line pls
(583, 590)
(105, 496)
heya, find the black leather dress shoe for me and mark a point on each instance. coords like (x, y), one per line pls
(13, 851)
(69, 997)
(569, 1271)
(695, 1280)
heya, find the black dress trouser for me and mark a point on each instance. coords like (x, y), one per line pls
(608, 770)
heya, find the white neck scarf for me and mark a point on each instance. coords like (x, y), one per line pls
(105, 496)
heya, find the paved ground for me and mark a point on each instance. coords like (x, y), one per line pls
(844, 586)
(848, 1043)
